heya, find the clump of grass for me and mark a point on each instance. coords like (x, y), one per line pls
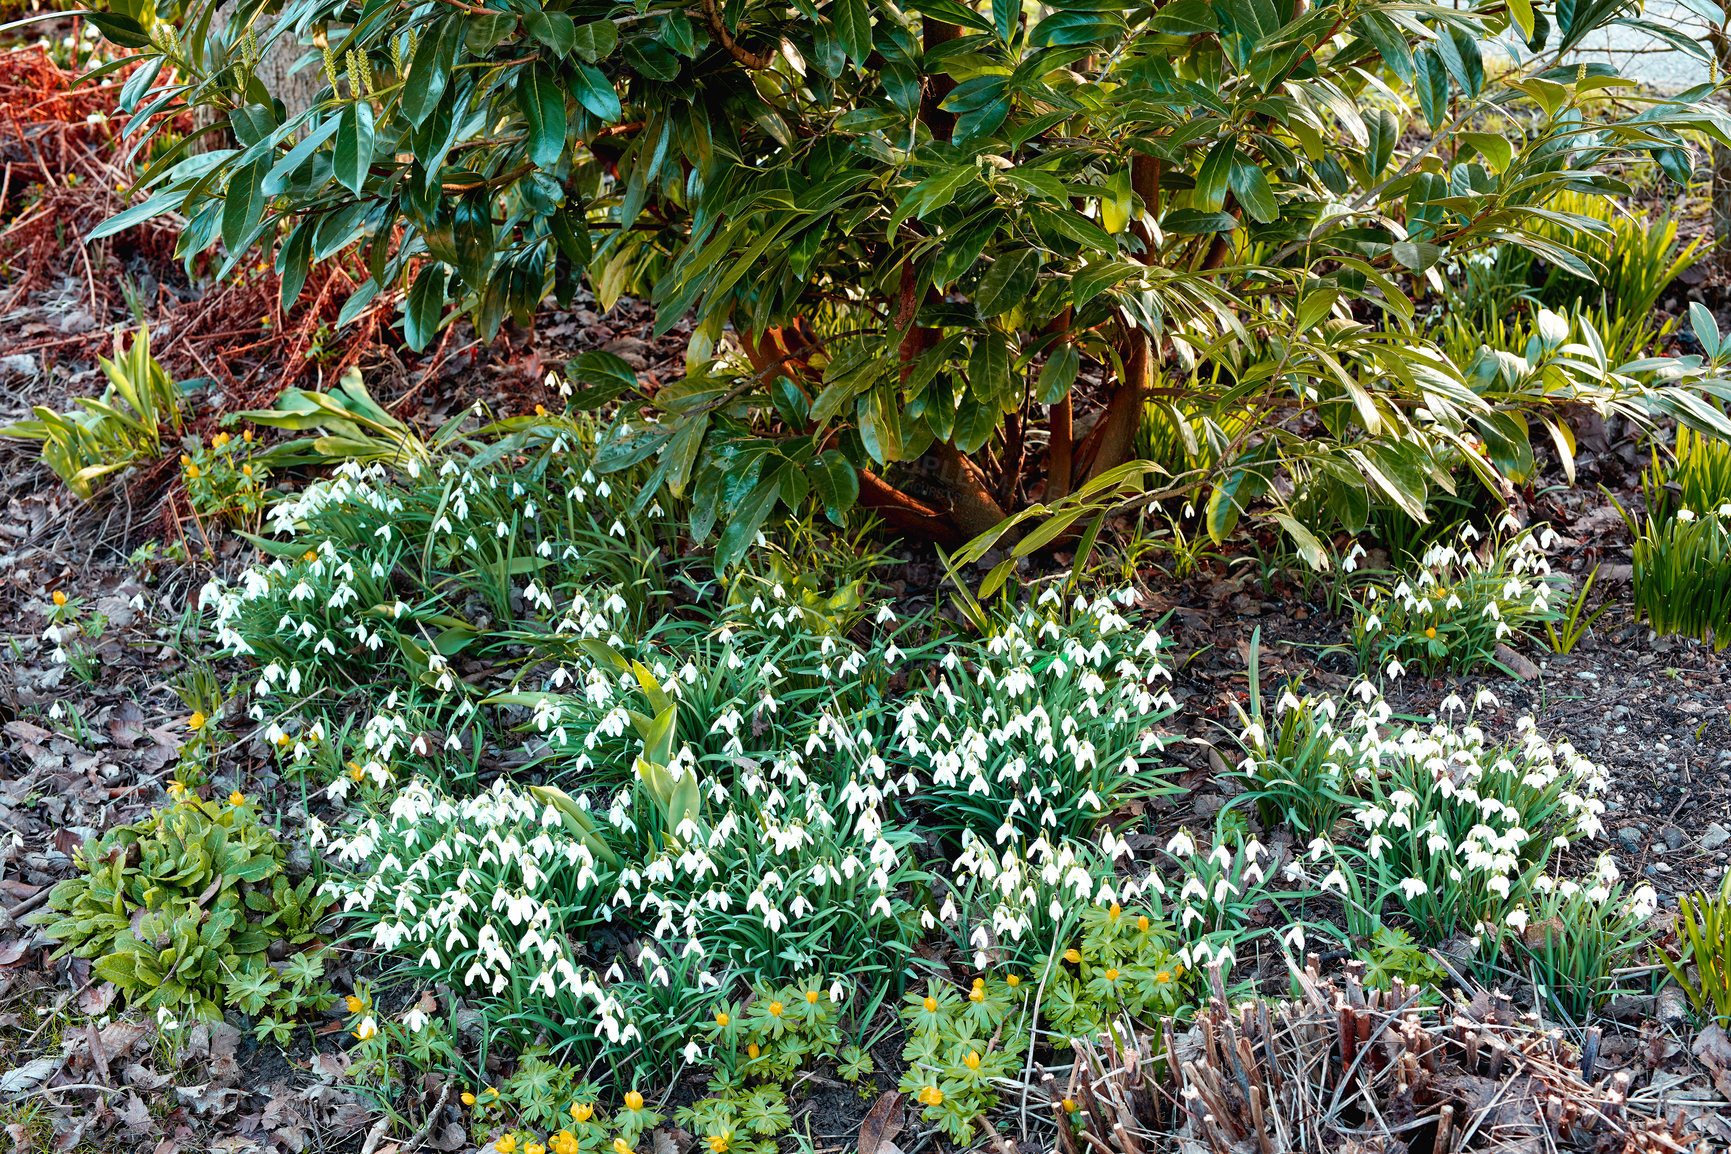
(1682, 551)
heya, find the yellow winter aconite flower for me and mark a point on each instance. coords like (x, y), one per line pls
(620, 1146)
(721, 1018)
(246, 435)
(1013, 981)
(1430, 632)
(930, 1004)
(1112, 974)
(196, 721)
(192, 472)
(219, 440)
(775, 1009)
(719, 1143)
(931, 1096)
(534, 1148)
(582, 1111)
(1142, 923)
(977, 994)
(237, 798)
(1163, 976)
(633, 1100)
(1069, 1105)
(468, 1098)
(752, 1050)
(1115, 911)
(506, 1145)
(811, 997)
(355, 1004)
(59, 597)
(1073, 955)
(972, 1061)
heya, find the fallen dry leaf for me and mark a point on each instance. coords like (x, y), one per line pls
(883, 1123)
(1713, 1049)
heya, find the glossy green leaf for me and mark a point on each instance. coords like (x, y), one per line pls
(596, 40)
(354, 145)
(595, 93)
(543, 106)
(425, 305)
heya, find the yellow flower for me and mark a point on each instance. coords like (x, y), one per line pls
(175, 789)
(1142, 923)
(931, 1004)
(775, 1009)
(192, 472)
(219, 440)
(355, 1005)
(1069, 1105)
(977, 994)
(59, 597)
(246, 470)
(1072, 955)
(237, 798)
(540, 410)
(534, 1148)
(752, 1050)
(719, 1142)
(310, 555)
(468, 1098)
(978, 982)
(811, 997)
(972, 1061)
(564, 1142)
(1163, 977)
(246, 435)
(633, 1100)
(932, 1096)
(1430, 632)
(1115, 911)
(196, 721)
(721, 1018)
(1013, 981)
(284, 741)
(506, 1145)
(620, 1146)
(185, 460)
(366, 1031)
(582, 1111)
(1112, 974)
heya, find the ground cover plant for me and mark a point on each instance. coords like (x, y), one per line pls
(941, 576)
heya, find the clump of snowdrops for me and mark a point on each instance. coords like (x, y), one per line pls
(1450, 612)
(1458, 835)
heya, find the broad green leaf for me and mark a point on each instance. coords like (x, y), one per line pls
(1432, 84)
(243, 205)
(1007, 282)
(1250, 186)
(425, 306)
(976, 420)
(1058, 374)
(354, 146)
(595, 93)
(554, 29)
(853, 26)
(543, 107)
(835, 482)
(595, 41)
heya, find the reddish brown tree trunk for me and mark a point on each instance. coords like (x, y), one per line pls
(1059, 462)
